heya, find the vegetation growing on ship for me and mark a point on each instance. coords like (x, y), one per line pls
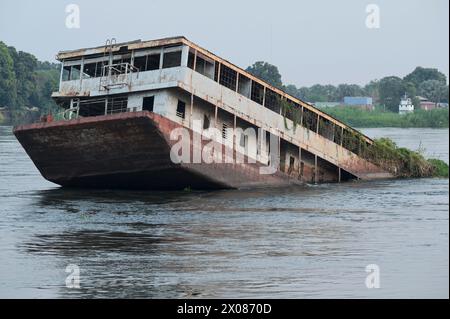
(401, 161)
(292, 112)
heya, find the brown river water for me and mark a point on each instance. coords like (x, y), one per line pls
(311, 241)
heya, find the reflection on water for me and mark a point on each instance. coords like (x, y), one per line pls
(309, 241)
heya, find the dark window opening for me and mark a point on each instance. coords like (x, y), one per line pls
(75, 72)
(100, 67)
(126, 60)
(140, 62)
(89, 70)
(204, 67)
(92, 107)
(309, 120)
(153, 62)
(272, 101)
(337, 134)
(117, 104)
(326, 128)
(66, 73)
(243, 140)
(228, 77)
(206, 122)
(181, 109)
(96, 107)
(291, 164)
(244, 85)
(191, 58)
(352, 141)
(148, 103)
(171, 59)
(257, 92)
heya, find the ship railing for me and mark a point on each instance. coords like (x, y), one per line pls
(67, 115)
(117, 75)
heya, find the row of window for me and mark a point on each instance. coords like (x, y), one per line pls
(270, 99)
(142, 63)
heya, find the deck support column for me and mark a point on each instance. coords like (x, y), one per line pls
(318, 121)
(191, 111)
(234, 134)
(215, 116)
(299, 162)
(315, 169)
(339, 174)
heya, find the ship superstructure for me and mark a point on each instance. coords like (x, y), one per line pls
(124, 105)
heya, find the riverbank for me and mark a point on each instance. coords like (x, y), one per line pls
(437, 118)
(23, 117)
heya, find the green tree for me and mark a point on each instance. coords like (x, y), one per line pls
(373, 89)
(434, 90)
(8, 92)
(267, 72)
(421, 74)
(391, 90)
(344, 90)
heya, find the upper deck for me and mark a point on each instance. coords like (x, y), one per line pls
(162, 63)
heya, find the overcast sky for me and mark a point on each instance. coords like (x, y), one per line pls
(320, 41)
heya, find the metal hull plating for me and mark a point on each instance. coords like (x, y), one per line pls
(128, 151)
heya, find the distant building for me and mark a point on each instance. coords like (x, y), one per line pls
(425, 104)
(321, 105)
(442, 105)
(405, 106)
(359, 101)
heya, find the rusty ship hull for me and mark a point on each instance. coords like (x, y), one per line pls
(128, 151)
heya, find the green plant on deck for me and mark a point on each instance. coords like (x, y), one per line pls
(290, 109)
(440, 168)
(401, 161)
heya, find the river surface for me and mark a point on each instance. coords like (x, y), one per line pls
(299, 242)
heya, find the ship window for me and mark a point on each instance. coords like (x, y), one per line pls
(126, 60)
(257, 92)
(89, 70)
(75, 72)
(205, 67)
(153, 62)
(206, 122)
(272, 101)
(181, 109)
(66, 73)
(228, 77)
(244, 85)
(172, 59)
(147, 103)
(291, 164)
(243, 140)
(139, 63)
(117, 104)
(99, 68)
(309, 120)
(191, 58)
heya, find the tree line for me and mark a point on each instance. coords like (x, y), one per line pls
(26, 82)
(387, 92)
